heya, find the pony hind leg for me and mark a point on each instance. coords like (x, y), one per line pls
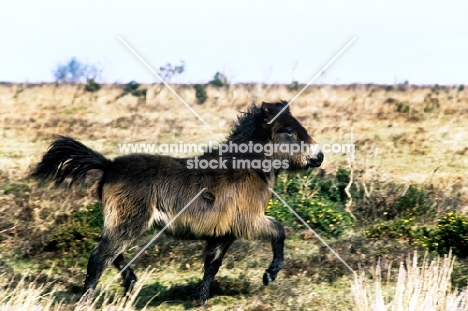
(128, 276)
(102, 256)
(215, 251)
(109, 250)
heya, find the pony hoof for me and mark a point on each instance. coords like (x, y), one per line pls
(199, 303)
(88, 297)
(129, 287)
(267, 278)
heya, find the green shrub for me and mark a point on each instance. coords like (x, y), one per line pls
(461, 87)
(280, 212)
(414, 203)
(324, 216)
(133, 88)
(294, 86)
(428, 108)
(80, 234)
(342, 181)
(219, 80)
(92, 86)
(200, 93)
(431, 103)
(403, 108)
(394, 201)
(327, 187)
(424, 236)
(317, 198)
(391, 229)
(451, 233)
(140, 93)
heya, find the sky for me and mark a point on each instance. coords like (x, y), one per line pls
(422, 42)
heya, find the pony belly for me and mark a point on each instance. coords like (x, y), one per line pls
(191, 228)
(175, 227)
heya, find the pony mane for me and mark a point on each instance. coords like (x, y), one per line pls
(245, 126)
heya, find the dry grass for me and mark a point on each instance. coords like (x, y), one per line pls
(419, 286)
(410, 145)
(27, 295)
(405, 147)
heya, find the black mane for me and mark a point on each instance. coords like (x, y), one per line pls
(245, 126)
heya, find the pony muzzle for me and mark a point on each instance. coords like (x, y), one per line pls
(315, 160)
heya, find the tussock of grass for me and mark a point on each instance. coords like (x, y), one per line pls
(28, 296)
(37, 296)
(420, 286)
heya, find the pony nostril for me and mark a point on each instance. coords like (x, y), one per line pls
(315, 161)
(320, 157)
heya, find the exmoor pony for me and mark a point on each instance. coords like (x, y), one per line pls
(142, 190)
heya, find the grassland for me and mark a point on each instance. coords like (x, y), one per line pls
(403, 134)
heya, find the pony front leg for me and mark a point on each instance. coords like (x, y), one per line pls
(277, 244)
(215, 250)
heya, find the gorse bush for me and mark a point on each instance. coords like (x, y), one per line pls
(393, 201)
(413, 203)
(451, 233)
(390, 211)
(329, 187)
(79, 234)
(318, 200)
(396, 212)
(392, 229)
(324, 216)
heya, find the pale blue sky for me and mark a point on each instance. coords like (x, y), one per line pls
(424, 42)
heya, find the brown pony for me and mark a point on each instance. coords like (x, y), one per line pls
(143, 190)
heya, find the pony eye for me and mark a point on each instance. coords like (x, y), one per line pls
(287, 130)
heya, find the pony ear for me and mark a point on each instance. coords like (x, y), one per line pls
(272, 109)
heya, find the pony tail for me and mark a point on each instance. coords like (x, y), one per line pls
(67, 157)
